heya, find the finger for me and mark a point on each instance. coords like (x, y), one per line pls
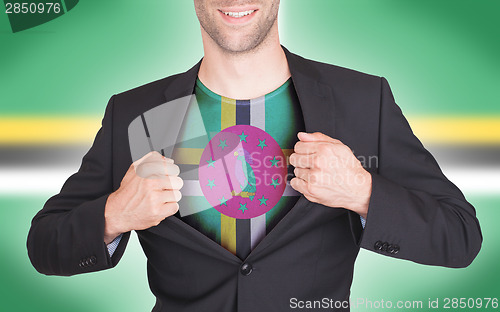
(171, 208)
(301, 186)
(313, 177)
(157, 157)
(172, 183)
(302, 161)
(143, 158)
(171, 169)
(132, 169)
(157, 169)
(170, 196)
(316, 137)
(169, 160)
(311, 147)
(302, 173)
(152, 156)
(303, 147)
(148, 170)
(163, 169)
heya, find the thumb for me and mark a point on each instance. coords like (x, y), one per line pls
(146, 156)
(152, 156)
(316, 137)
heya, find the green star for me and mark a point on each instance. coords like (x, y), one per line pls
(223, 201)
(275, 183)
(222, 144)
(274, 161)
(243, 207)
(262, 144)
(263, 200)
(211, 183)
(243, 137)
(211, 162)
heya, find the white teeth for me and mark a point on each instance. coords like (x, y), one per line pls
(239, 14)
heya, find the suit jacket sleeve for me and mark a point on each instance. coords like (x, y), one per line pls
(414, 209)
(67, 236)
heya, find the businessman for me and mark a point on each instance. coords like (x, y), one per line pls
(224, 225)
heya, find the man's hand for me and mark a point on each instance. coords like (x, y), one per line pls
(328, 173)
(148, 193)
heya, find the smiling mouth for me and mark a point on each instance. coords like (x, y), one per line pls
(239, 14)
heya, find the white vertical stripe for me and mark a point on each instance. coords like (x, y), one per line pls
(258, 119)
(258, 113)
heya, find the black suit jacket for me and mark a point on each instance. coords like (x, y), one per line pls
(415, 212)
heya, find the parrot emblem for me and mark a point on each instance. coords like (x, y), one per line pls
(244, 173)
(241, 172)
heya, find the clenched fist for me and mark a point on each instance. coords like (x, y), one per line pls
(148, 193)
(328, 173)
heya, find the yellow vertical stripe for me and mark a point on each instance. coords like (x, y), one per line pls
(228, 224)
(228, 233)
(227, 113)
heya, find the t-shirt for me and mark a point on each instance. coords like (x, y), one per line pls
(236, 176)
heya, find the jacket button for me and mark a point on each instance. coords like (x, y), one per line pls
(390, 249)
(396, 249)
(378, 245)
(82, 263)
(93, 260)
(246, 269)
(384, 246)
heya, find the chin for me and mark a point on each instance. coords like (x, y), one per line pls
(239, 44)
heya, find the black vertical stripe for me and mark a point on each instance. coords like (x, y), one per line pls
(242, 112)
(145, 125)
(147, 132)
(243, 246)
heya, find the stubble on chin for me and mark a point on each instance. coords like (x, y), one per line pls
(247, 44)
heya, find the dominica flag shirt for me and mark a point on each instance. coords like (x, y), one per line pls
(236, 177)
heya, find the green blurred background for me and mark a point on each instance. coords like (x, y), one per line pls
(440, 57)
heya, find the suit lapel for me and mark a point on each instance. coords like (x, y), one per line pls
(183, 84)
(318, 109)
(315, 97)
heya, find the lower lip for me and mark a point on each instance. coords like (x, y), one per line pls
(237, 20)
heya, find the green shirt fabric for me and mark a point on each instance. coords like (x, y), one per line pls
(279, 114)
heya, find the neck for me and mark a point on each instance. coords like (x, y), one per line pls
(244, 75)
